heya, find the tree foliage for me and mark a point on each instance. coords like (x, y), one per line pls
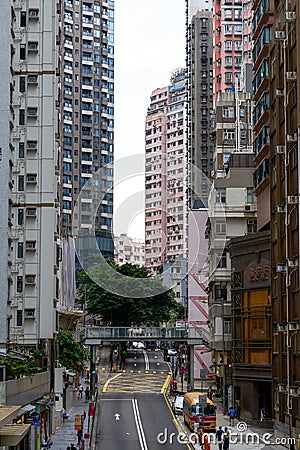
(71, 354)
(117, 310)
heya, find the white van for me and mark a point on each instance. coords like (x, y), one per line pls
(178, 405)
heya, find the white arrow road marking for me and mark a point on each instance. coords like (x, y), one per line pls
(117, 416)
(139, 425)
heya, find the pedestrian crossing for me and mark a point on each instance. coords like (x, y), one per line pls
(138, 382)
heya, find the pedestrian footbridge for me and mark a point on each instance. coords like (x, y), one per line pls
(95, 335)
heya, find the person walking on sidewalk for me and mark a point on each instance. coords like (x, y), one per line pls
(219, 435)
(231, 415)
(226, 439)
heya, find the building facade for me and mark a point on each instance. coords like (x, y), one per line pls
(200, 104)
(165, 204)
(284, 210)
(87, 121)
(251, 326)
(34, 246)
(262, 28)
(128, 250)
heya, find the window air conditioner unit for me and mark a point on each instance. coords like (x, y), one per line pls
(280, 150)
(279, 35)
(30, 279)
(29, 313)
(31, 145)
(281, 267)
(280, 208)
(31, 178)
(279, 92)
(293, 199)
(290, 16)
(30, 245)
(291, 137)
(33, 13)
(281, 387)
(292, 263)
(31, 212)
(249, 207)
(291, 76)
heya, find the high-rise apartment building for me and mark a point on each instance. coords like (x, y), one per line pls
(87, 120)
(228, 45)
(262, 26)
(165, 206)
(31, 179)
(284, 119)
(199, 63)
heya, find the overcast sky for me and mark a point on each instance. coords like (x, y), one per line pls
(149, 45)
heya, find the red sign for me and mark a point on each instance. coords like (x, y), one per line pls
(91, 409)
(78, 422)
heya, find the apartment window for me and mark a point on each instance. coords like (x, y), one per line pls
(220, 227)
(228, 77)
(228, 135)
(19, 318)
(221, 292)
(228, 61)
(228, 14)
(221, 260)
(227, 326)
(221, 195)
(23, 19)
(20, 216)
(228, 30)
(21, 183)
(228, 112)
(228, 45)
(238, 45)
(22, 84)
(19, 284)
(22, 117)
(251, 226)
(22, 51)
(21, 150)
(20, 251)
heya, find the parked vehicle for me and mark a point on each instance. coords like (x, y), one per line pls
(194, 413)
(178, 405)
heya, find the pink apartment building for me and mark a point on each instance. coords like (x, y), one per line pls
(165, 204)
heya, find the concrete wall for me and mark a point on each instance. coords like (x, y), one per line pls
(25, 390)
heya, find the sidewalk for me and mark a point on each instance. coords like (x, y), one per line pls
(66, 434)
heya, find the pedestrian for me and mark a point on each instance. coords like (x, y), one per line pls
(226, 438)
(79, 436)
(298, 444)
(209, 392)
(87, 393)
(68, 448)
(73, 447)
(231, 415)
(219, 435)
(80, 391)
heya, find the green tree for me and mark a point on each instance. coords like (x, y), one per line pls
(71, 354)
(124, 311)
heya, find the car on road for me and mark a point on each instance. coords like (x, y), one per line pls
(178, 405)
(172, 352)
(151, 345)
(138, 345)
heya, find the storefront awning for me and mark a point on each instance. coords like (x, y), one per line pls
(7, 414)
(11, 435)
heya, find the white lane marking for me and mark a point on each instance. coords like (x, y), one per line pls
(139, 426)
(117, 416)
(147, 365)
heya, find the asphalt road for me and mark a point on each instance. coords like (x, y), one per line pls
(133, 412)
(136, 422)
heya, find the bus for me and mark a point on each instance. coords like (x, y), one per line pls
(192, 412)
